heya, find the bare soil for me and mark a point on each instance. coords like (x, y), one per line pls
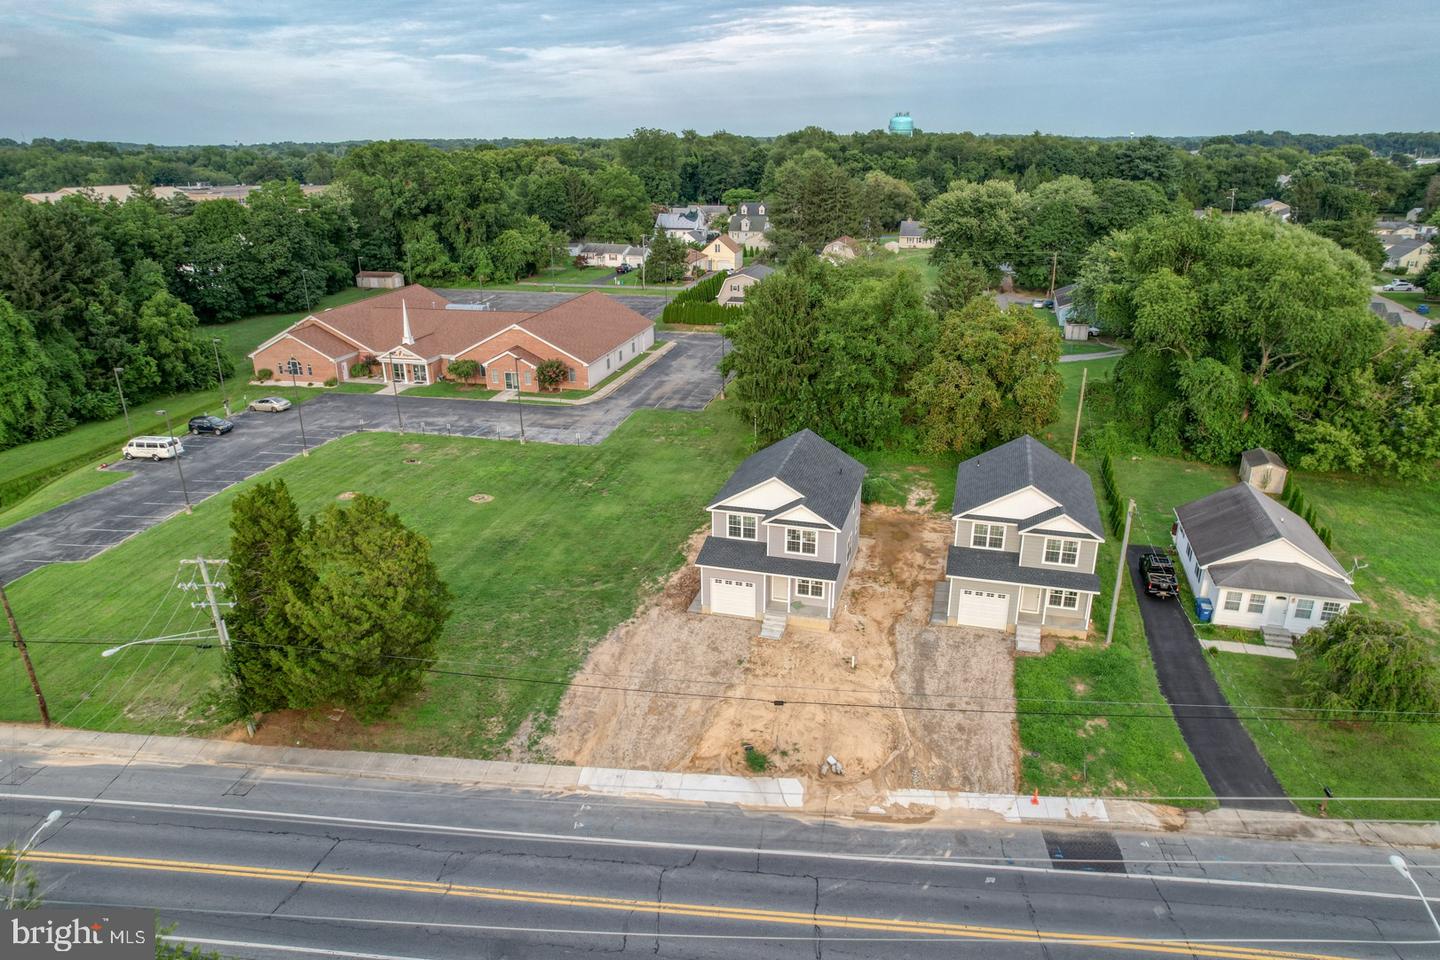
(850, 693)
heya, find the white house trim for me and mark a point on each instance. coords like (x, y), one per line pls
(528, 333)
(794, 494)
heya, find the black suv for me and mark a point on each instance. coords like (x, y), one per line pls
(209, 424)
(1159, 575)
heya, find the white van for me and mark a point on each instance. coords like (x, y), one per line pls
(153, 448)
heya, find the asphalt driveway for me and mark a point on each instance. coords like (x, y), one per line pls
(1217, 739)
(685, 378)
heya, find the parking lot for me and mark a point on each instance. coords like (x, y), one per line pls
(685, 378)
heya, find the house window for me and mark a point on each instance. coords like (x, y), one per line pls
(988, 536)
(1189, 554)
(801, 541)
(1329, 610)
(1232, 600)
(741, 527)
(1304, 609)
(1065, 599)
(309, 370)
(293, 367)
(480, 370)
(570, 371)
(1257, 603)
(814, 589)
(1065, 552)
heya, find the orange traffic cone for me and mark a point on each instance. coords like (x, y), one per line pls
(1035, 798)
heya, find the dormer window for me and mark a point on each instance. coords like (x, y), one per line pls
(801, 541)
(741, 527)
(1063, 552)
(745, 224)
(988, 536)
(760, 209)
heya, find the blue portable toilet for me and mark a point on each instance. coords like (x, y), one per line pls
(1204, 609)
(1423, 308)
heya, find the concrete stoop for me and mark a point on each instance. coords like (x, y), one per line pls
(1027, 638)
(773, 626)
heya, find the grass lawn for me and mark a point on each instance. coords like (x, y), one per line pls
(527, 601)
(1072, 347)
(1125, 755)
(77, 483)
(1411, 299)
(348, 387)
(93, 440)
(451, 389)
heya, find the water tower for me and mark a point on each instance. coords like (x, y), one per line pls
(901, 124)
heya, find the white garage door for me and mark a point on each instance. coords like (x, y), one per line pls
(736, 597)
(983, 608)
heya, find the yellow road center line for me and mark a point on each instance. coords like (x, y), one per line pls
(697, 910)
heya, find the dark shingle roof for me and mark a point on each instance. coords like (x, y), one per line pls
(1273, 576)
(1065, 294)
(1002, 566)
(751, 555)
(1241, 518)
(1259, 456)
(825, 476)
(1021, 463)
(912, 228)
(757, 270)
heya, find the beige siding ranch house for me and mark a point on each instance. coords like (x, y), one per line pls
(412, 335)
(1027, 533)
(913, 236)
(783, 534)
(1259, 563)
(611, 254)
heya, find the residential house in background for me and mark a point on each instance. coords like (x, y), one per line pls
(748, 225)
(913, 236)
(1071, 326)
(1275, 208)
(1259, 563)
(1388, 230)
(412, 335)
(732, 291)
(783, 535)
(611, 254)
(1414, 214)
(379, 280)
(840, 249)
(1263, 470)
(723, 253)
(689, 226)
(1408, 256)
(1027, 533)
(121, 192)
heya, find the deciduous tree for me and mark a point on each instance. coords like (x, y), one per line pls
(1360, 663)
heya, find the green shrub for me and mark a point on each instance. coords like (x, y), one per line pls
(359, 369)
(877, 489)
(756, 760)
(706, 312)
(331, 381)
(264, 373)
(465, 370)
(706, 290)
(1358, 663)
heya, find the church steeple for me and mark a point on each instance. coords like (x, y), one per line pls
(406, 337)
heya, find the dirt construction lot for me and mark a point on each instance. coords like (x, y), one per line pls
(864, 715)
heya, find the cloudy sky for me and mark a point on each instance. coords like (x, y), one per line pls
(207, 71)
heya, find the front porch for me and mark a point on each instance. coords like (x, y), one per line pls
(1036, 610)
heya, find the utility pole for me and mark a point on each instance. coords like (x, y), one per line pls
(519, 397)
(300, 414)
(220, 372)
(210, 602)
(1232, 199)
(123, 409)
(19, 643)
(170, 432)
(1054, 265)
(1120, 571)
(1075, 440)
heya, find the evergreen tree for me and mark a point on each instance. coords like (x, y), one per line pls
(369, 606)
(263, 574)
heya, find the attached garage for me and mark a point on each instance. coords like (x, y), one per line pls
(733, 595)
(981, 608)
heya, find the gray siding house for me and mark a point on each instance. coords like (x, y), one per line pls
(783, 533)
(1027, 533)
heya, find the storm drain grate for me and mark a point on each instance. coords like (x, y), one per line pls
(18, 775)
(1084, 850)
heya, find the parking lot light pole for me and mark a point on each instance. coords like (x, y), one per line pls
(170, 432)
(20, 854)
(519, 398)
(220, 372)
(123, 409)
(1403, 868)
(294, 382)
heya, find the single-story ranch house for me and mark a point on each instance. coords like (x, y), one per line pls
(783, 533)
(413, 334)
(1259, 563)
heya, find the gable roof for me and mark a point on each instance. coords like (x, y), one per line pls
(758, 221)
(729, 242)
(323, 340)
(687, 220)
(912, 228)
(1274, 576)
(1064, 295)
(756, 271)
(587, 327)
(1026, 462)
(1399, 248)
(1240, 518)
(825, 476)
(1259, 457)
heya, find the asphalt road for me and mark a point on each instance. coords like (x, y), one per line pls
(685, 378)
(260, 862)
(1217, 739)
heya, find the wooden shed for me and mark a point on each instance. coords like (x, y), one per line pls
(379, 280)
(1263, 470)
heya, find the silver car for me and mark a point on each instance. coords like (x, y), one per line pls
(270, 405)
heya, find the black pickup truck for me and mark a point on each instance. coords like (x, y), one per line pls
(1159, 575)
